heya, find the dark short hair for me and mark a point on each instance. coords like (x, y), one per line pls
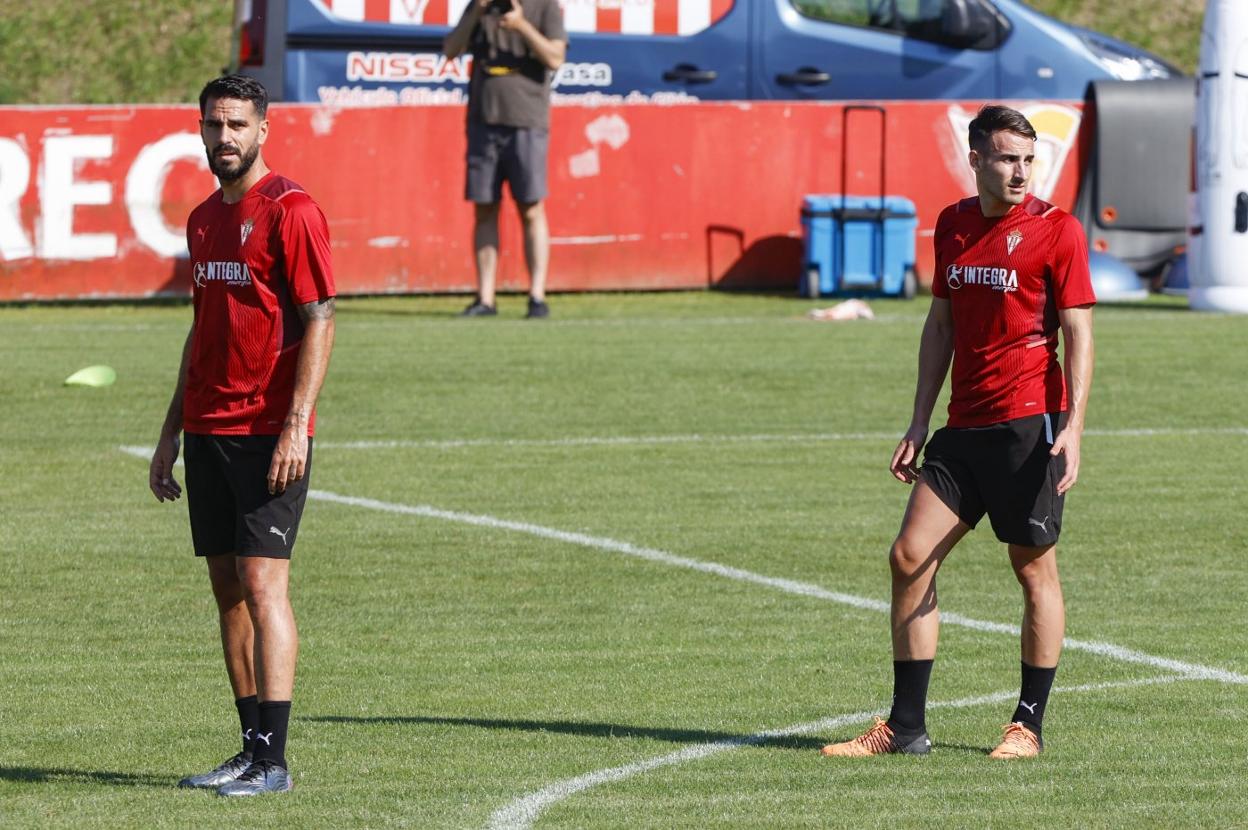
(994, 118)
(240, 87)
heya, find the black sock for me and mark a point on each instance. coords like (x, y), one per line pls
(248, 720)
(1034, 696)
(910, 679)
(271, 735)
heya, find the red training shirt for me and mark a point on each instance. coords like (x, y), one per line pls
(254, 262)
(1005, 278)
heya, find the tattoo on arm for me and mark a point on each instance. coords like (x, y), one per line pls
(317, 310)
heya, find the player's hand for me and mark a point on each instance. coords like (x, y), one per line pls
(1067, 443)
(905, 464)
(289, 457)
(160, 474)
(514, 18)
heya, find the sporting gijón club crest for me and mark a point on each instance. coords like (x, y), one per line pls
(1011, 240)
(248, 224)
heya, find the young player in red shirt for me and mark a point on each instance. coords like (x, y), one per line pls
(251, 371)
(1011, 271)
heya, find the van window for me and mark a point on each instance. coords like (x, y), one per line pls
(921, 19)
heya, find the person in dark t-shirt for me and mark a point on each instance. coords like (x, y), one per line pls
(1011, 274)
(515, 49)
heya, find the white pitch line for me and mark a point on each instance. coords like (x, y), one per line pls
(1193, 671)
(633, 323)
(602, 441)
(790, 586)
(698, 438)
(144, 453)
(522, 812)
(1151, 432)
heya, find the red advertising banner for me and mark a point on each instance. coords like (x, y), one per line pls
(93, 200)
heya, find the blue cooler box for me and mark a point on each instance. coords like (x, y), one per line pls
(858, 245)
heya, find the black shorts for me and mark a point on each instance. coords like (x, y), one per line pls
(1004, 470)
(227, 492)
(514, 154)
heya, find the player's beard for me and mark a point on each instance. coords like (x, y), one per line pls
(246, 158)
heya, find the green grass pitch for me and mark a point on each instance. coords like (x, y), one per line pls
(534, 590)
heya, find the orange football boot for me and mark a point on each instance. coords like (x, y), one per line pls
(879, 740)
(1017, 742)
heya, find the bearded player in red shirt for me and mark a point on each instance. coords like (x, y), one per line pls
(1011, 270)
(252, 368)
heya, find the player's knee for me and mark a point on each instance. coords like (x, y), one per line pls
(906, 559)
(227, 594)
(1037, 576)
(262, 595)
(227, 589)
(487, 211)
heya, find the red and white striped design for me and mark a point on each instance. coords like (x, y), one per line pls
(629, 17)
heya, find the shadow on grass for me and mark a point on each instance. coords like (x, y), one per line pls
(940, 746)
(593, 730)
(135, 303)
(58, 775)
(1143, 305)
(412, 312)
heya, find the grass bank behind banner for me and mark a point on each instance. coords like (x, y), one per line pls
(624, 568)
(163, 51)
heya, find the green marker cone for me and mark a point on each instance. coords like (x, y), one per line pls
(92, 376)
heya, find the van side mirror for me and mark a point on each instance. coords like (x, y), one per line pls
(967, 24)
